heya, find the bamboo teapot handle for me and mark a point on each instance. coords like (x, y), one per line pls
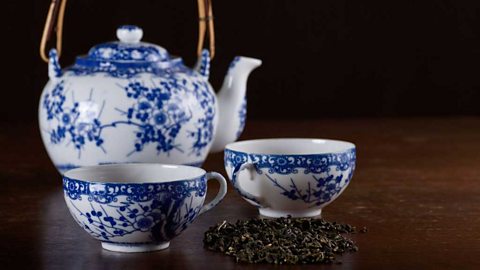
(56, 14)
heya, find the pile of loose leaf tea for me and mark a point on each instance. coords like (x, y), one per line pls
(281, 241)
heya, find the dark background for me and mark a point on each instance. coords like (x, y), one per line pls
(328, 58)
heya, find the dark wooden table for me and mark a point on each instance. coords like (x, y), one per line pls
(416, 188)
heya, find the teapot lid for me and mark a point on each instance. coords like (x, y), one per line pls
(127, 53)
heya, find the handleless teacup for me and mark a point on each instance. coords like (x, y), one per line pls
(296, 177)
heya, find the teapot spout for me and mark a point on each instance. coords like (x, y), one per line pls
(232, 102)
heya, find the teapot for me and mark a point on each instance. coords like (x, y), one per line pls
(130, 101)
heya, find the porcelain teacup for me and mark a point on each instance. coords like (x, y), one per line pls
(296, 177)
(138, 207)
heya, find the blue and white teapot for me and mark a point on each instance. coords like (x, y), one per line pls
(129, 101)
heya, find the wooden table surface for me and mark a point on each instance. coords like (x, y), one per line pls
(416, 189)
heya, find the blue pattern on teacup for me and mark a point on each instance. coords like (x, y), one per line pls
(320, 189)
(330, 173)
(287, 164)
(110, 211)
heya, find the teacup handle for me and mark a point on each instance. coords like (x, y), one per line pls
(236, 171)
(221, 192)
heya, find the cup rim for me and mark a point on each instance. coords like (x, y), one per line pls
(349, 146)
(70, 174)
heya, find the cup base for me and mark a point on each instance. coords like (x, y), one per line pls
(268, 212)
(134, 248)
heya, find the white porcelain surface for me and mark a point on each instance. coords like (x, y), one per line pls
(296, 177)
(138, 207)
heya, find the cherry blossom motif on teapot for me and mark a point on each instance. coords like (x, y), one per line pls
(129, 101)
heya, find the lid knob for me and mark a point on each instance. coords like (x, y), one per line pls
(129, 34)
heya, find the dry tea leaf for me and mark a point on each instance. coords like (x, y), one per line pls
(281, 241)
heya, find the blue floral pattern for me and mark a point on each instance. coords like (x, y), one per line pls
(77, 121)
(125, 60)
(205, 130)
(55, 70)
(288, 164)
(118, 51)
(330, 173)
(128, 70)
(157, 113)
(242, 116)
(110, 211)
(320, 191)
